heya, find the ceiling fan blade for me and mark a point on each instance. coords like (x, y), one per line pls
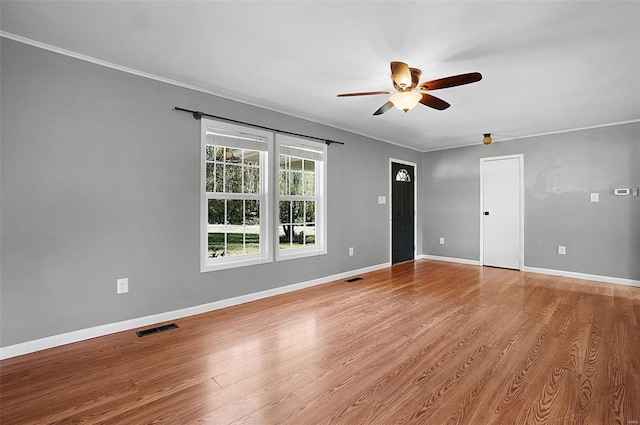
(400, 74)
(415, 77)
(456, 80)
(384, 108)
(365, 93)
(433, 102)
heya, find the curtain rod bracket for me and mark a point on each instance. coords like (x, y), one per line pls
(198, 115)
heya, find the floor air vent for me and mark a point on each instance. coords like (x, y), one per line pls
(157, 330)
(353, 279)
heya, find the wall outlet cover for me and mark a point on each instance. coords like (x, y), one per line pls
(122, 285)
(562, 250)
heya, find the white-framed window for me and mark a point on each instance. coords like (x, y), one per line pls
(301, 198)
(235, 209)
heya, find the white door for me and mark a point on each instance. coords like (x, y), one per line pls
(501, 244)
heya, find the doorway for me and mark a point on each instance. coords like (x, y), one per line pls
(502, 219)
(402, 212)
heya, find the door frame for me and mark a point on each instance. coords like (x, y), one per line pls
(415, 205)
(520, 158)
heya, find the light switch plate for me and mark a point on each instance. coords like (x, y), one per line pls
(382, 199)
(595, 197)
(562, 250)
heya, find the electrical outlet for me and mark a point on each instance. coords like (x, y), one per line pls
(122, 285)
(441, 241)
(562, 250)
(350, 251)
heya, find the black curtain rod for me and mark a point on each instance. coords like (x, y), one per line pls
(198, 115)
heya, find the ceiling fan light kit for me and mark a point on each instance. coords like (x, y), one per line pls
(405, 100)
(409, 92)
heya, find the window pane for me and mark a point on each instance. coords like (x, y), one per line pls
(285, 211)
(310, 214)
(210, 153)
(235, 240)
(297, 239)
(252, 239)
(251, 157)
(219, 179)
(284, 183)
(284, 236)
(310, 234)
(309, 165)
(295, 183)
(216, 211)
(251, 180)
(403, 176)
(235, 212)
(309, 184)
(252, 212)
(284, 162)
(219, 155)
(296, 163)
(233, 178)
(211, 177)
(232, 155)
(216, 243)
(297, 212)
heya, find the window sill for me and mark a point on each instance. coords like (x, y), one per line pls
(212, 266)
(293, 254)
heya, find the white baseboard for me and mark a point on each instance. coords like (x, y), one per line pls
(110, 328)
(576, 275)
(449, 259)
(585, 276)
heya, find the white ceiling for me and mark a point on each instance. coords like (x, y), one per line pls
(547, 66)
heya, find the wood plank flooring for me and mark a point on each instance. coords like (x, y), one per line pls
(423, 342)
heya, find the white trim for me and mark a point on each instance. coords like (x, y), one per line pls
(314, 118)
(307, 117)
(415, 205)
(318, 153)
(111, 65)
(448, 259)
(570, 130)
(520, 158)
(207, 264)
(585, 276)
(561, 273)
(529, 136)
(97, 331)
(252, 102)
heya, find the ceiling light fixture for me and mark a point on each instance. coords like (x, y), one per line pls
(405, 100)
(487, 139)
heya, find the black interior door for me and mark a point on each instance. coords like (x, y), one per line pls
(402, 212)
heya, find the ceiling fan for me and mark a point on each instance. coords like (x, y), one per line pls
(409, 91)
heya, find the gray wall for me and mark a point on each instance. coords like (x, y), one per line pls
(560, 171)
(100, 180)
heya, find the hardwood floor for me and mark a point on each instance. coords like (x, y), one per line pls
(424, 342)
